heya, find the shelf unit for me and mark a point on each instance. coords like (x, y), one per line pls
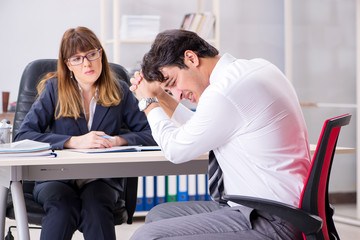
(288, 22)
(116, 41)
(215, 41)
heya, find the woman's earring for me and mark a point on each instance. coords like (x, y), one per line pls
(71, 74)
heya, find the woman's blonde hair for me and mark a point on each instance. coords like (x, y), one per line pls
(74, 40)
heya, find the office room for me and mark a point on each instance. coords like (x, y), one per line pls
(313, 42)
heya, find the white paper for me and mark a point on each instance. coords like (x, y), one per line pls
(117, 149)
(46, 153)
(23, 146)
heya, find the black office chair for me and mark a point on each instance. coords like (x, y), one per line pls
(33, 72)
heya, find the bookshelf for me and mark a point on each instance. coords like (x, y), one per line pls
(116, 40)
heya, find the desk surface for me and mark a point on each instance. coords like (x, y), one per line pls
(71, 165)
(75, 165)
(339, 150)
(71, 157)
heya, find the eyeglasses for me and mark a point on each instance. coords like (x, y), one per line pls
(91, 56)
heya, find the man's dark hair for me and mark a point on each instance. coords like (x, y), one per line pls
(168, 50)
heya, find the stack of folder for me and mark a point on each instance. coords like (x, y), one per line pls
(26, 148)
(154, 190)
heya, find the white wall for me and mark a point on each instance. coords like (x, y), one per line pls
(325, 71)
(324, 46)
(33, 29)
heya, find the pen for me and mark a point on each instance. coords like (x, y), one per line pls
(108, 137)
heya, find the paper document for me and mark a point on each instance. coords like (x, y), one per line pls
(46, 153)
(117, 149)
(150, 148)
(24, 146)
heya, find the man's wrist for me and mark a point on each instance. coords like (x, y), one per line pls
(145, 102)
(151, 107)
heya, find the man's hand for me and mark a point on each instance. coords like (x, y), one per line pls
(144, 88)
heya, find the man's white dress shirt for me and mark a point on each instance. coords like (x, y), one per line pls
(250, 116)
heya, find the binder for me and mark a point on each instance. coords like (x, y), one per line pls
(207, 194)
(159, 189)
(201, 187)
(195, 22)
(149, 192)
(192, 187)
(182, 188)
(140, 195)
(171, 188)
(187, 21)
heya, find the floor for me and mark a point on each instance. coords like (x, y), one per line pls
(347, 225)
(347, 231)
(123, 232)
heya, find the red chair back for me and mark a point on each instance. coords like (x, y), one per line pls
(314, 197)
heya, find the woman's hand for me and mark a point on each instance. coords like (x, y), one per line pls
(94, 139)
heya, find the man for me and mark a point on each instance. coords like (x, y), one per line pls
(248, 115)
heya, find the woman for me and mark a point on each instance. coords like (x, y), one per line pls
(83, 106)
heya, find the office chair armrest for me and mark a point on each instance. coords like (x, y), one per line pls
(307, 223)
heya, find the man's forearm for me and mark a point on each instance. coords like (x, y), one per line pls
(168, 103)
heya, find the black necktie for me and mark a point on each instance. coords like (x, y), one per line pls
(216, 184)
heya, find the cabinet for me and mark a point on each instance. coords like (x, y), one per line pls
(116, 41)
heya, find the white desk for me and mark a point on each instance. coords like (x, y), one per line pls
(74, 165)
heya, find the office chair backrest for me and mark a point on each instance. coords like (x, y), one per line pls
(32, 74)
(314, 198)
